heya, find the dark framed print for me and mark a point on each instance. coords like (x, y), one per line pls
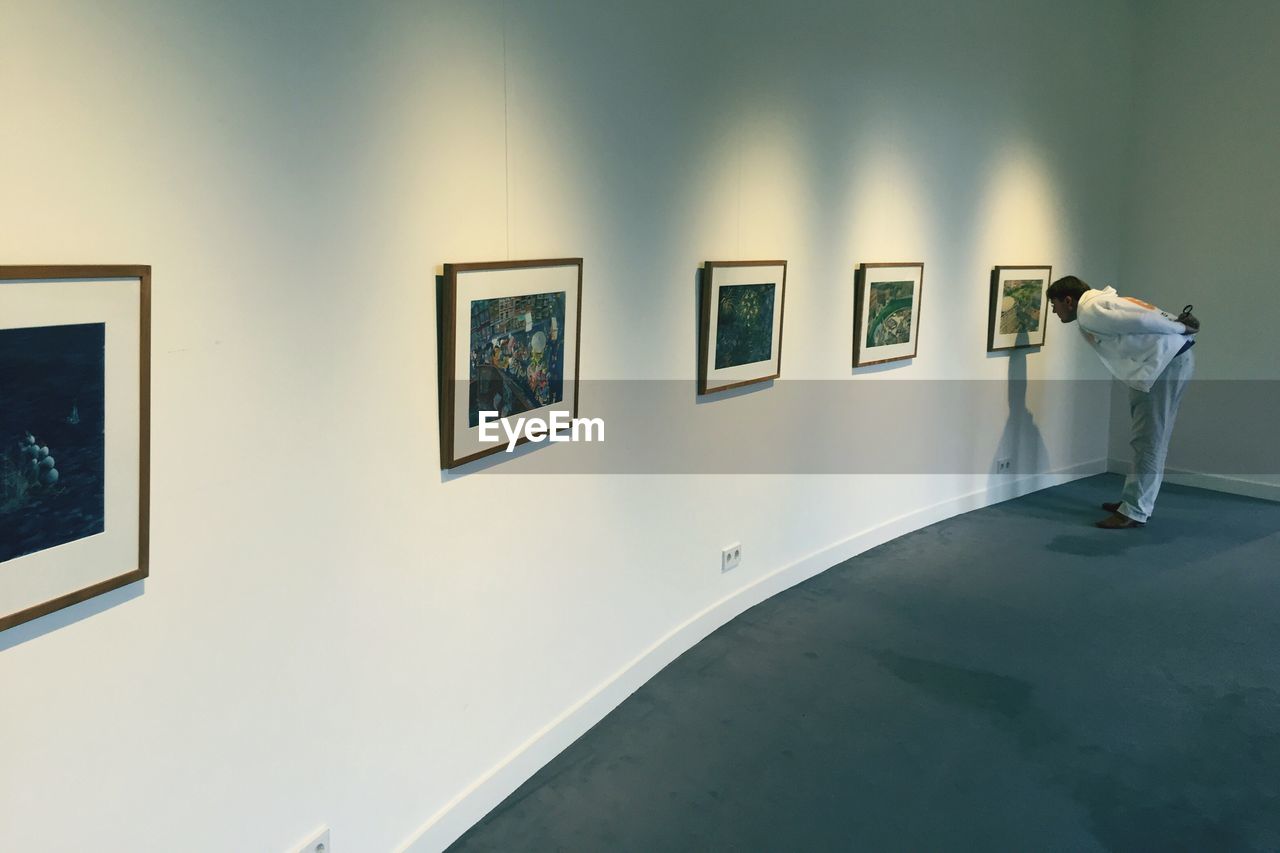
(886, 312)
(509, 333)
(75, 345)
(1019, 307)
(741, 323)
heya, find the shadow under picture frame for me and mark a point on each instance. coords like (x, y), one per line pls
(75, 377)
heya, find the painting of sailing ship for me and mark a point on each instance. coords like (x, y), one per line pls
(52, 450)
(517, 354)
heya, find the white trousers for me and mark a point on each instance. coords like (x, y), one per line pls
(1153, 413)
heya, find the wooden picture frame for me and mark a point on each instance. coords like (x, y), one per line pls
(886, 312)
(733, 351)
(1018, 312)
(75, 435)
(510, 334)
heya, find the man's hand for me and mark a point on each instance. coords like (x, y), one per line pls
(1189, 320)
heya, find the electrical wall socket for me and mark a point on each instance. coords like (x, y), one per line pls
(730, 557)
(317, 842)
(1004, 465)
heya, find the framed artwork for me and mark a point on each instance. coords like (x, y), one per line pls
(886, 312)
(742, 304)
(1019, 307)
(75, 369)
(509, 334)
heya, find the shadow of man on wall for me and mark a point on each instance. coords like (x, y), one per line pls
(1021, 442)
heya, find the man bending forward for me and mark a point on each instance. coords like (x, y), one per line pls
(1148, 350)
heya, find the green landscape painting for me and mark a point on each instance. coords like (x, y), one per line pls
(889, 308)
(1020, 306)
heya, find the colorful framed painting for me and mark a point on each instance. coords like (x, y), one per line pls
(510, 333)
(741, 326)
(886, 312)
(75, 347)
(1019, 307)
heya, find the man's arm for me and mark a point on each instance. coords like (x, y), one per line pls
(1116, 315)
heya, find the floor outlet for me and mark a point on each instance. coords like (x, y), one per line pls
(730, 557)
(318, 842)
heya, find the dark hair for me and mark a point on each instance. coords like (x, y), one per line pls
(1066, 286)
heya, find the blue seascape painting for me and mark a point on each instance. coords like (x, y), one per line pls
(52, 447)
(517, 354)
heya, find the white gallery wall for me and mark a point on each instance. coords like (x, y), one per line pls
(336, 633)
(1203, 227)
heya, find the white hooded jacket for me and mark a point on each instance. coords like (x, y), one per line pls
(1134, 339)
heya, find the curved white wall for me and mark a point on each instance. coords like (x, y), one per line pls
(332, 632)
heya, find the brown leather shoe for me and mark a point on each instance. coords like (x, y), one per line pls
(1116, 521)
(1111, 506)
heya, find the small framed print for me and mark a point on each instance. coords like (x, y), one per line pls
(510, 332)
(886, 312)
(75, 345)
(741, 326)
(1017, 316)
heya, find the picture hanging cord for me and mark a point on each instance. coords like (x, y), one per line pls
(506, 132)
(739, 198)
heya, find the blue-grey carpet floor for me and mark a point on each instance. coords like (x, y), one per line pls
(1010, 679)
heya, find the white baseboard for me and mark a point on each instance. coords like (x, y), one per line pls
(1231, 484)
(478, 799)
